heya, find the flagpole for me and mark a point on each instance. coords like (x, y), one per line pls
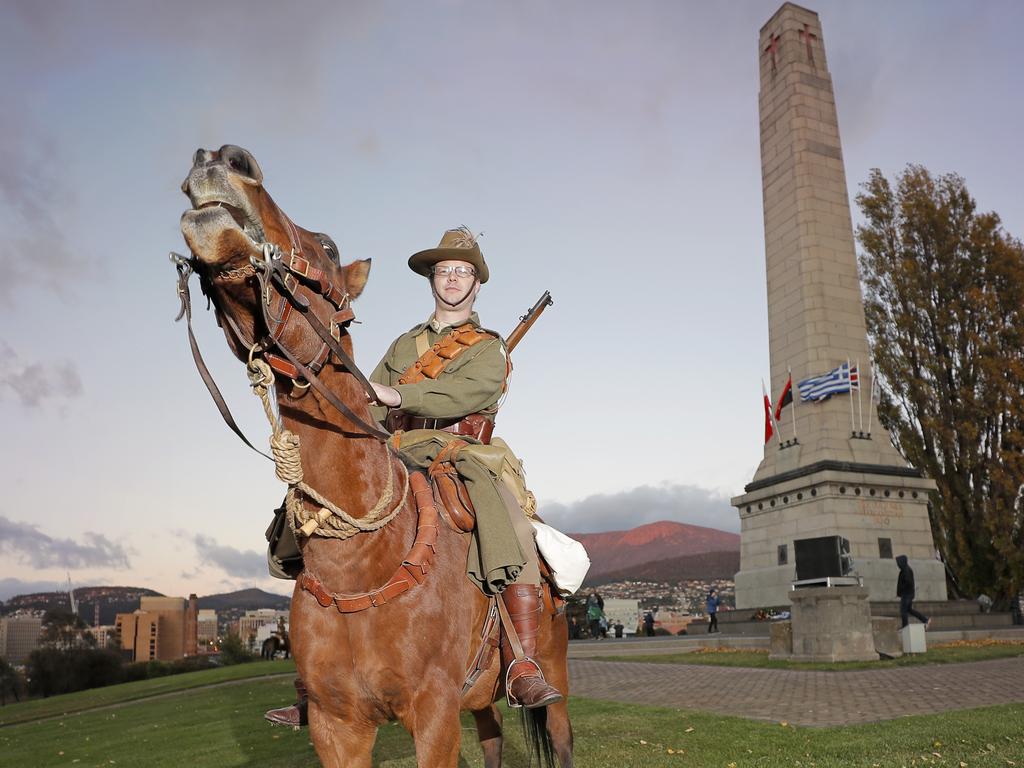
(849, 382)
(860, 404)
(871, 399)
(795, 398)
(775, 422)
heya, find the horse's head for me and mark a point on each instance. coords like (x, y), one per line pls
(231, 228)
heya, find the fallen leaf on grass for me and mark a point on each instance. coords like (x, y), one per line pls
(689, 730)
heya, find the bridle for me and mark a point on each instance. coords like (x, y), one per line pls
(286, 285)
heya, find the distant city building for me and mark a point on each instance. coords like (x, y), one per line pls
(105, 634)
(206, 634)
(19, 636)
(163, 628)
(249, 625)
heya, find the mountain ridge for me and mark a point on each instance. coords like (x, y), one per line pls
(618, 552)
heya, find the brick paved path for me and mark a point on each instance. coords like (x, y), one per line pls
(800, 697)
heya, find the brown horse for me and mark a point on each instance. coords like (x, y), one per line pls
(406, 659)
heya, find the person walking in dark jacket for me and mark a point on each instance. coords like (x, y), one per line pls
(905, 592)
(649, 624)
(712, 604)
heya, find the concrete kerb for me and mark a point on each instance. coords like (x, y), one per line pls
(665, 645)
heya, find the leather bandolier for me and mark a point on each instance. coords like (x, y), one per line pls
(431, 363)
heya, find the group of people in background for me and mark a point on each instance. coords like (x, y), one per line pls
(597, 625)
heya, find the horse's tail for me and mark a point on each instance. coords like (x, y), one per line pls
(535, 734)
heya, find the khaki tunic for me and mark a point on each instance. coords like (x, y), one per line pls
(472, 383)
(502, 549)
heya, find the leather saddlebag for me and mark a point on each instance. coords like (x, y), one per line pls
(284, 558)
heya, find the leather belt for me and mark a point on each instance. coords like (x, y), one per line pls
(474, 425)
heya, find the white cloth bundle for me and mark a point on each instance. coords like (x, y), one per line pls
(567, 557)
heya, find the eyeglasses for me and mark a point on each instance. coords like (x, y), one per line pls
(458, 269)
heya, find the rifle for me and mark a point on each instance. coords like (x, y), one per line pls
(527, 320)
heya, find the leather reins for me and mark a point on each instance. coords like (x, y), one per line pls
(290, 281)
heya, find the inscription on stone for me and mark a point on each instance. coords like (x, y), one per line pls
(881, 512)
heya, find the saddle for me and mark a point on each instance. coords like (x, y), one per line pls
(456, 509)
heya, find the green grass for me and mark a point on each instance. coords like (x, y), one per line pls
(940, 654)
(140, 689)
(222, 727)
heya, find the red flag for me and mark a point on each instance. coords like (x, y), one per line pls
(768, 431)
(785, 398)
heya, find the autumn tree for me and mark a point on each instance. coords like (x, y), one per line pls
(944, 301)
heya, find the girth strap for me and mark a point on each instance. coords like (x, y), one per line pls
(489, 643)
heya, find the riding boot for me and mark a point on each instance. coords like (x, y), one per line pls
(296, 714)
(524, 680)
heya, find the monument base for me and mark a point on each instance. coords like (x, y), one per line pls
(771, 587)
(882, 515)
(884, 630)
(832, 624)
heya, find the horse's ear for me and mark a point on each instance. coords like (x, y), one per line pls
(356, 274)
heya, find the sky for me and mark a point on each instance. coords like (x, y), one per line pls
(608, 151)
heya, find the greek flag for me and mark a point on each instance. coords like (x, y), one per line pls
(842, 379)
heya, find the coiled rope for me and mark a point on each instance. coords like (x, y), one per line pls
(330, 520)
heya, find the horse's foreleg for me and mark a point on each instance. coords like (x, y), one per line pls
(339, 743)
(488, 728)
(560, 731)
(436, 728)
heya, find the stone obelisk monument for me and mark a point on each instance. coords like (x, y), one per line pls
(829, 475)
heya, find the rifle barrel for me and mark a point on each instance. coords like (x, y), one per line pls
(527, 320)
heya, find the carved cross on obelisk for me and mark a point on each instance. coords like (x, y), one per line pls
(806, 35)
(773, 46)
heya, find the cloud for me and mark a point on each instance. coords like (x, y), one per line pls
(237, 563)
(34, 250)
(639, 506)
(34, 383)
(34, 548)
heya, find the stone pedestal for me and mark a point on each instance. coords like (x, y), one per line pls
(781, 646)
(832, 624)
(913, 638)
(886, 630)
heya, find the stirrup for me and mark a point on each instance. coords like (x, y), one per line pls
(513, 703)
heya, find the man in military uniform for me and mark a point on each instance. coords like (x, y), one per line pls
(448, 374)
(457, 390)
